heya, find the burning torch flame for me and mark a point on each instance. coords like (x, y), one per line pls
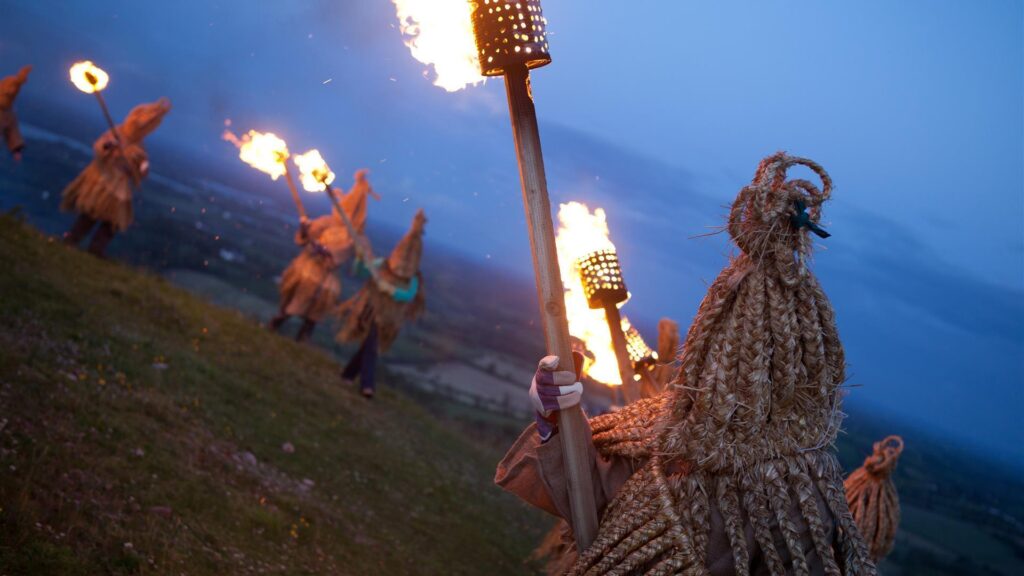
(263, 151)
(581, 232)
(439, 33)
(313, 171)
(88, 77)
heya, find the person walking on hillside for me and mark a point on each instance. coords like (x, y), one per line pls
(102, 193)
(310, 287)
(375, 315)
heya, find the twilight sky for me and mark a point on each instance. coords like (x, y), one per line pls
(659, 111)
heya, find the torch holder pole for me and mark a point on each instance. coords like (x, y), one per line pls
(113, 130)
(574, 430)
(630, 392)
(294, 190)
(352, 232)
(106, 114)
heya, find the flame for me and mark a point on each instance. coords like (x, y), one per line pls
(313, 171)
(263, 151)
(88, 77)
(439, 33)
(581, 232)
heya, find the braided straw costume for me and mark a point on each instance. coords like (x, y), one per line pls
(9, 130)
(103, 191)
(742, 439)
(372, 305)
(872, 497)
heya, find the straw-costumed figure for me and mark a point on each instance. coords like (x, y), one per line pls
(9, 130)
(373, 305)
(872, 497)
(103, 191)
(310, 287)
(734, 468)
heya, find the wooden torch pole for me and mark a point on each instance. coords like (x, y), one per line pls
(573, 428)
(352, 232)
(110, 122)
(294, 189)
(630, 388)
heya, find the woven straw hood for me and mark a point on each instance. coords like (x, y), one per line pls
(762, 362)
(143, 120)
(872, 497)
(11, 85)
(744, 432)
(404, 261)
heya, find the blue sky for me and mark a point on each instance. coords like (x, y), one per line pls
(658, 111)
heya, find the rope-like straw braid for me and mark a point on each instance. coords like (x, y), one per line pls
(855, 550)
(778, 498)
(872, 497)
(756, 504)
(729, 506)
(812, 515)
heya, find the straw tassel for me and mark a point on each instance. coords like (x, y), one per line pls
(872, 497)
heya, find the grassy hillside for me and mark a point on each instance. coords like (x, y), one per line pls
(144, 431)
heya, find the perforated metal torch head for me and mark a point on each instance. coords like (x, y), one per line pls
(640, 354)
(510, 33)
(602, 279)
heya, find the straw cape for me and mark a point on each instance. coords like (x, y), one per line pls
(310, 288)
(9, 89)
(372, 305)
(872, 497)
(731, 469)
(103, 191)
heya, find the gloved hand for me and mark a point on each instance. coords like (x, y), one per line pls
(553, 390)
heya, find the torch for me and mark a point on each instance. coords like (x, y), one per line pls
(511, 40)
(291, 187)
(643, 358)
(317, 176)
(269, 154)
(91, 79)
(605, 289)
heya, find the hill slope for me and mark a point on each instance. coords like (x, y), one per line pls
(143, 431)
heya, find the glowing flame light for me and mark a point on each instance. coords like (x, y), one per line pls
(313, 171)
(88, 77)
(439, 33)
(263, 151)
(581, 232)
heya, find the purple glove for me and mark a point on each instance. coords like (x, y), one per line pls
(553, 390)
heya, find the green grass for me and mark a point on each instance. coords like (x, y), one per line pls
(141, 432)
